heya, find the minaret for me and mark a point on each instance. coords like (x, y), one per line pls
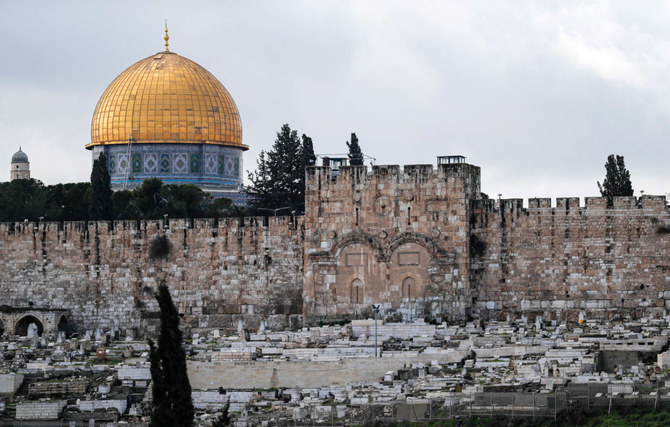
(20, 166)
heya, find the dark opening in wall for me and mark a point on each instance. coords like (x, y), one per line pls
(477, 246)
(25, 322)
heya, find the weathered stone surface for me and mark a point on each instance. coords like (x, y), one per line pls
(39, 410)
(417, 240)
(565, 260)
(9, 383)
(101, 272)
(393, 237)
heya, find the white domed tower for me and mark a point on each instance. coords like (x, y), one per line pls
(20, 166)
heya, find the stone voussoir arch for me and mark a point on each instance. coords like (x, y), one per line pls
(384, 252)
(25, 318)
(358, 237)
(420, 239)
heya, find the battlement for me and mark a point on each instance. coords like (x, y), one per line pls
(361, 174)
(151, 226)
(572, 205)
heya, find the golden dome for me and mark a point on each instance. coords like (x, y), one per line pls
(166, 98)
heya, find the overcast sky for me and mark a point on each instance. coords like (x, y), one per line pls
(535, 93)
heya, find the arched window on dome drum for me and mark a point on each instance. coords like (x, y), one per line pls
(408, 286)
(357, 296)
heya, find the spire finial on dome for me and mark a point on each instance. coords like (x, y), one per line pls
(166, 38)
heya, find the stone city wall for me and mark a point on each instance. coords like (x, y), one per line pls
(219, 273)
(564, 260)
(417, 240)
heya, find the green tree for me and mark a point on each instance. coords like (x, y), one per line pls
(309, 158)
(69, 202)
(149, 200)
(355, 154)
(125, 206)
(279, 179)
(617, 179)
(101, 190)
(184, 201)
(172, 401)
(23, 199)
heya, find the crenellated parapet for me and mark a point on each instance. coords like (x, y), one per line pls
(318, 177)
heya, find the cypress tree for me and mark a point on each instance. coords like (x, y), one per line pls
(617, 179)
(101, 190)
(309, 158)
(355, 153)
(172, 400)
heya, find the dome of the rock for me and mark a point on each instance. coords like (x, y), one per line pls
(167, 117)
(166, 98)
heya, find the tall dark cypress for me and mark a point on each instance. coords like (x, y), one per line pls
(101, 191)
(617, 179)
(173, 404)
(309, 158)
(355, 153)
(172, 400)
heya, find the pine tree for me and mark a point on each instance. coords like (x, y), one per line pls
(101, 191)
(279, 179)
(172, 400)
(617, 179)
(355, 153)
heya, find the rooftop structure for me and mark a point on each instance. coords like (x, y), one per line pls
(20, 167)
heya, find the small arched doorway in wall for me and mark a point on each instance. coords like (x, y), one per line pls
(409, 290)
(23, 324)
(357, 293)
(63, 326)
(2, 328)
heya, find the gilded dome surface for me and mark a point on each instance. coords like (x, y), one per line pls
(166, 98)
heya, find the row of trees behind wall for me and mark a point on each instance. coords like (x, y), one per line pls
(277, 185)
(30, 199)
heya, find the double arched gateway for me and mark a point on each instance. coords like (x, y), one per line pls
(360, 270)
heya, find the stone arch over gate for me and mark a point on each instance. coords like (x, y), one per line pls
(409, 271)
(358, 237)
(433, 250)
(23, 324)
